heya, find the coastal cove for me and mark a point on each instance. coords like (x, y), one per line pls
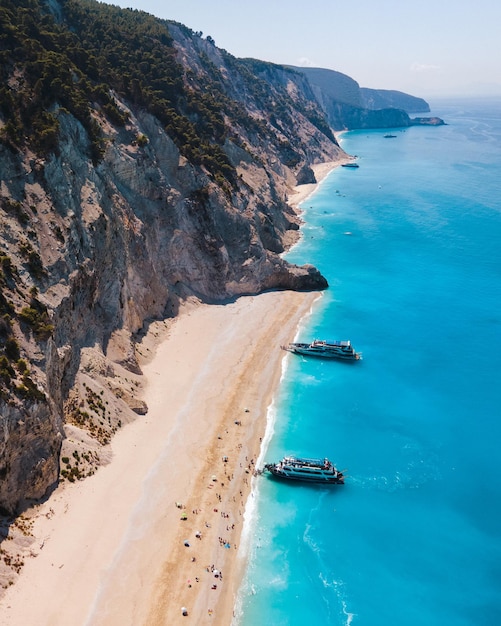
(249, 358)
(409, 244)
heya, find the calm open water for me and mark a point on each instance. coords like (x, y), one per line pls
(414, 536)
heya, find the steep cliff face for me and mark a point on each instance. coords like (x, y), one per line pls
(91, 250)
(387, 98)
(348, 106)
(139, 166)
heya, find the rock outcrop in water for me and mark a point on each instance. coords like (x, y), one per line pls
(123, 191)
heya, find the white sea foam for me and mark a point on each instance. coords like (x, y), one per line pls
(339, 589)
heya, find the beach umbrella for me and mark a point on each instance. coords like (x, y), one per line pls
(184, 610)
(187, 543)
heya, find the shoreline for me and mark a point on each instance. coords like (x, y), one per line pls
(321, 171)
(111, 548)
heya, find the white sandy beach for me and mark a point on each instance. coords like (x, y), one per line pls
(111, 548)
(301, 192)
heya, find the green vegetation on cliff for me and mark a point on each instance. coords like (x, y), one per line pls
(77, 55)
(76, 60)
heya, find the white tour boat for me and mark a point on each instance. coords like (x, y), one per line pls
(306, 470)
(327, 349)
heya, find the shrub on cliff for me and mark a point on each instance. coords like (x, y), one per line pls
(38, 320)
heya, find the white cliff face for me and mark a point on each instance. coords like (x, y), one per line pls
(118, 245)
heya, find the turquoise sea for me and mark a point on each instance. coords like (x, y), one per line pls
(410, 244)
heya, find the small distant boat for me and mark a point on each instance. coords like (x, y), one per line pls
(306, 470)
(389, 136)
(350, 165)
(327, 349)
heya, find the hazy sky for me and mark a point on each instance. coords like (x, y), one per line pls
(426, 48)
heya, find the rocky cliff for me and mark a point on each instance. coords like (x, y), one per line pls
(391, 99)
(349, 106)
(92, 249)
(139, 165)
